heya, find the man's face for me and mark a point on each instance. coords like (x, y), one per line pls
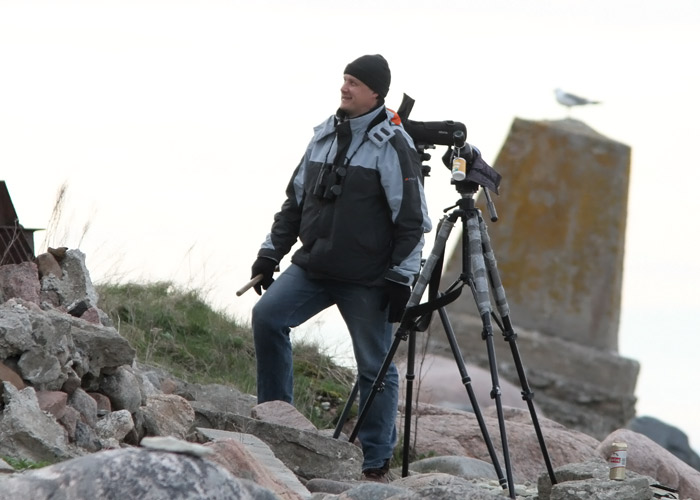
(356, 98)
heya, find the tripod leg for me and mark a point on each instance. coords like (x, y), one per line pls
(477, 279)
(445, 227)
(408, 408)
(377, 386)
(346, 409)
(510, 336)
(405, 329)
(466, 381)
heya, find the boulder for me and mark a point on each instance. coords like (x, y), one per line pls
(668, 437)
(439, 431)
(309, 454)
(27, 432)
(20, 281)
(646, 457)
(247, 457)
(132, 473)
(166, 415)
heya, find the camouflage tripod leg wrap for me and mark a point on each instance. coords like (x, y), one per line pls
(499, 292)
(479, 275)
(445, 227)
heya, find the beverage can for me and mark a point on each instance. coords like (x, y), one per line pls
(618, 461)
(459, 169)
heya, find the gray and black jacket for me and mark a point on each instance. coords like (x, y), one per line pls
(360, 217)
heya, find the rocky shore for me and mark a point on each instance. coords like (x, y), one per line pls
(74, 395)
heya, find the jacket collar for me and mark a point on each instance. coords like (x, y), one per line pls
(358, 125)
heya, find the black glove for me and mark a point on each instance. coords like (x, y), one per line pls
(396, 298)
(266, 267)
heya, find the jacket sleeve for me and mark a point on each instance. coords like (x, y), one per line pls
(285, 227)
(403, 185)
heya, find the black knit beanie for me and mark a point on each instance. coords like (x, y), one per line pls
(373, 71)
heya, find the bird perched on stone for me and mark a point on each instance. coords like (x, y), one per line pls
(570, 100)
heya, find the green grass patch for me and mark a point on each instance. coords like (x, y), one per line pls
(176, 330)
(20, 464)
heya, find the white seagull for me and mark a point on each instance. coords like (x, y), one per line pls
(569, 100)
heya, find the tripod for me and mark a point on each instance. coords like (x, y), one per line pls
(480, 273)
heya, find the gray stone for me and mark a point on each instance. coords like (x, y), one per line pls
(86, 437)
(122, 388)
(27, 432)
(220, 397)
(86, 406)
(166, 415)
(281, 412)
(308, 454)
(595, 468)
(74, 285)
(72, 381)
(42, 369)
(631, 489)
(318, 485)
(169, 443)
(99, 347)
(114, 426)
(15, 329)
(440, 486)
(464, 467)
(377, 491)
(131, 473)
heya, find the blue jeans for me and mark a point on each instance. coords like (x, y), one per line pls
(294, 298)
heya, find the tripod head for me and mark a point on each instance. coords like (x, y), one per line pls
(426, 135)
(477, 171)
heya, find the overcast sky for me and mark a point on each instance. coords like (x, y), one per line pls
(175, 126)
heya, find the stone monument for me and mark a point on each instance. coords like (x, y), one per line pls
(559, 245)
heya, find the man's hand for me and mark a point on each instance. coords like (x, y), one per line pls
(266, 267)
(396, 298)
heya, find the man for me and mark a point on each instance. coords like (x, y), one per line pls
(356, 203)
